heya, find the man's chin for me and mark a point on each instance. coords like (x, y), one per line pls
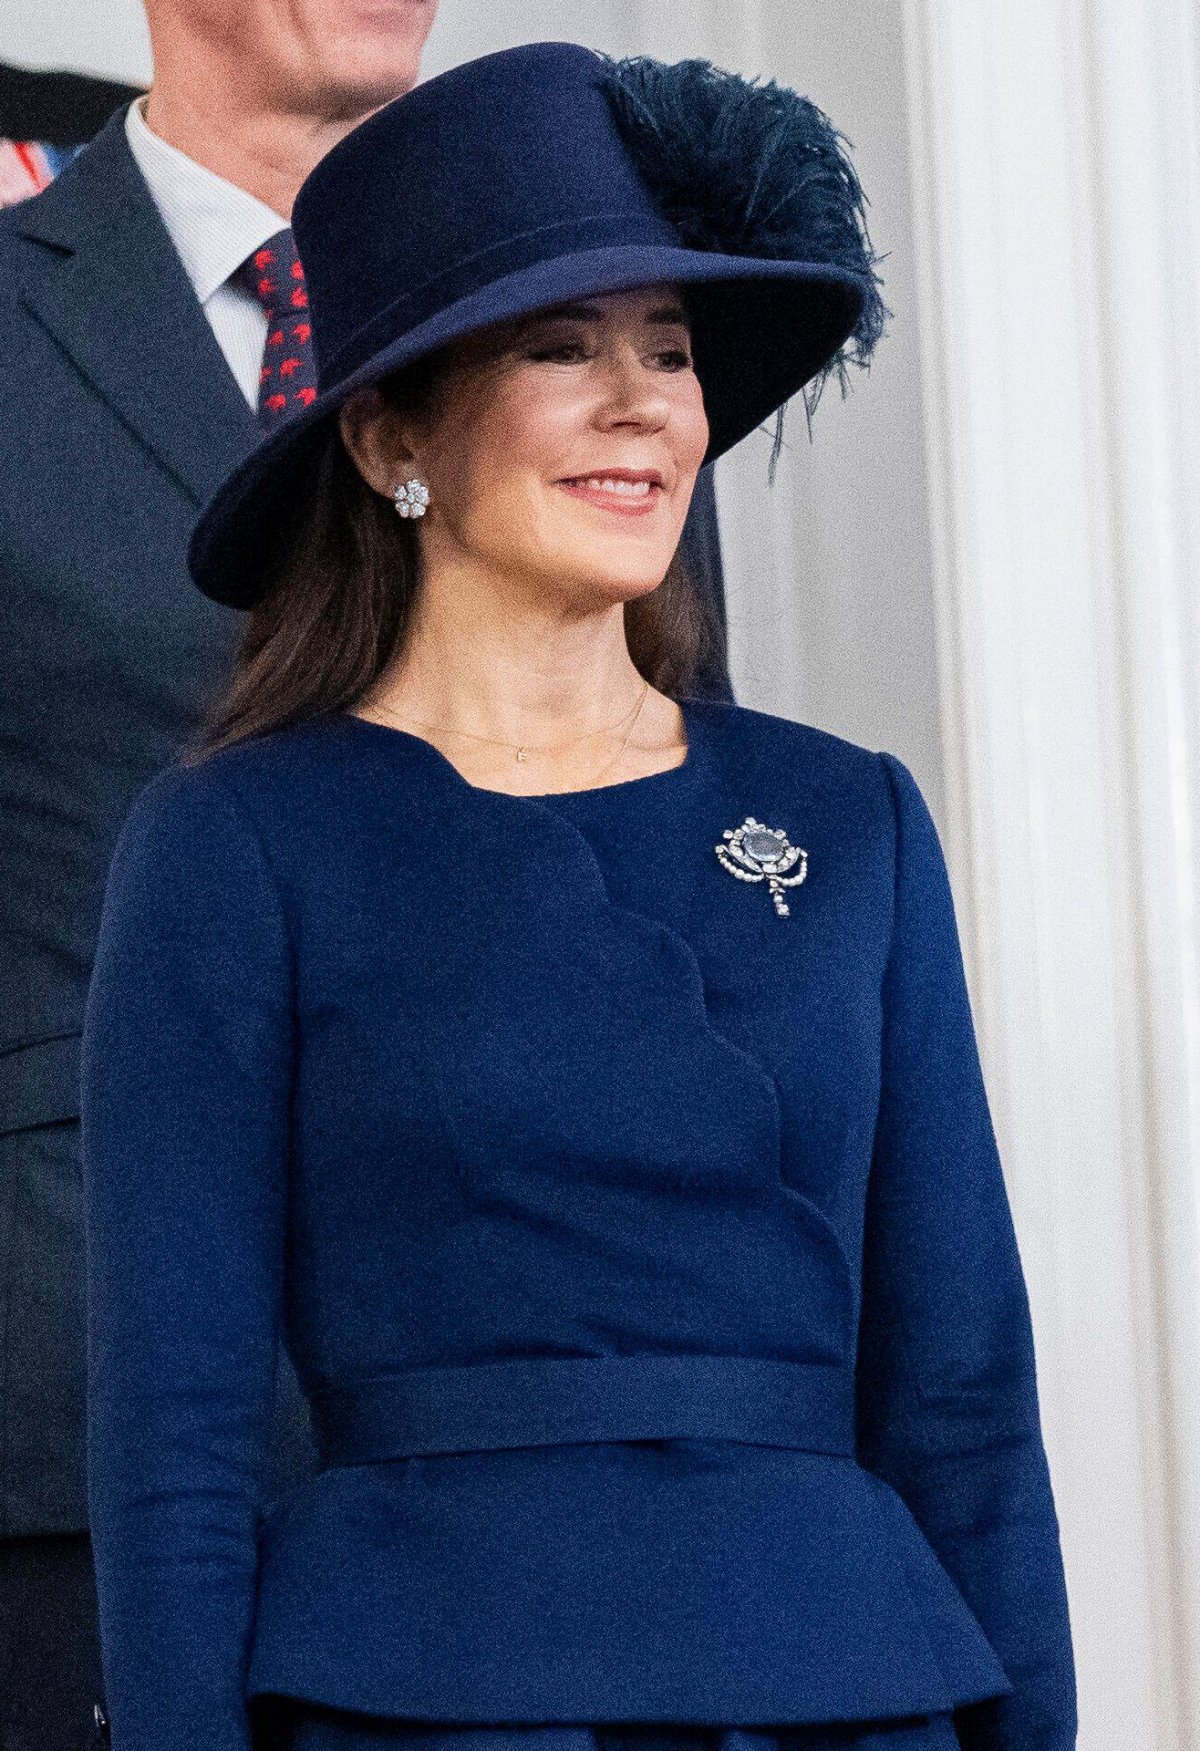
(368, 67)
(357, 94)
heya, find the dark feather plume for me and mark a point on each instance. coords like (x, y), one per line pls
(748, 167)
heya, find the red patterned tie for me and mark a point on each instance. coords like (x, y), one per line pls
(288, 379)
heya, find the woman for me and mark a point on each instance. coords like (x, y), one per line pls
(576, 1071)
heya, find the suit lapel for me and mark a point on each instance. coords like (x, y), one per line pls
(103, 277)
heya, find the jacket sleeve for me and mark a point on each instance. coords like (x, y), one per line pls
(948, 1410)
(185, 1089)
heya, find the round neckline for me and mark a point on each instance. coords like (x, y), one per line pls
(684, 771)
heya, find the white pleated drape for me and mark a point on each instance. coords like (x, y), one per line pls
(1057, 177)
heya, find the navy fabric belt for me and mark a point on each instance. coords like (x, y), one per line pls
(551, 1401)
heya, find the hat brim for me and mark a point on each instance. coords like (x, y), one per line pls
(761, 330)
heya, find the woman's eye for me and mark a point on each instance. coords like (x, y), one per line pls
(566, 348)
(676, 358)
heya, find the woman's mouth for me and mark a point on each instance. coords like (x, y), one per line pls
(627, 495)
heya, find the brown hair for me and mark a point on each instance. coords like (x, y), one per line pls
(341, 596)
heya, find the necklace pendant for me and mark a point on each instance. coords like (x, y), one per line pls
(521, 753)
(754, 853)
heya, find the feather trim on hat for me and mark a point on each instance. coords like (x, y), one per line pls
(750, 168)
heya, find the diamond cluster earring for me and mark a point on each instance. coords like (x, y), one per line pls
(410, 498)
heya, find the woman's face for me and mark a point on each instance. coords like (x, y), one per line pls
(560, 450)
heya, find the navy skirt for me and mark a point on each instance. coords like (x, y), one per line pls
(303, 1727)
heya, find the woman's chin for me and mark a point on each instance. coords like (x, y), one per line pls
(620, 569)
(617, 583)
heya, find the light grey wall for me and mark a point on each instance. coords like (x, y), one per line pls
(829, 572)
(84, 36)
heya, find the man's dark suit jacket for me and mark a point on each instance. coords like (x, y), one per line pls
(120, 417)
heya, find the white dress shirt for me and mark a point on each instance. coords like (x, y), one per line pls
(214, 225)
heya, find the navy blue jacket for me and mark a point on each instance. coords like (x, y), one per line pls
(645, 1255)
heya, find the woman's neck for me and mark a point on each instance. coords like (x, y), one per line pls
(543, 730)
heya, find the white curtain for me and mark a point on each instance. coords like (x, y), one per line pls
(1058, 220)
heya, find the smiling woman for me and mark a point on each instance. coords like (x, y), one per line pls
(614, 1157)
(559, 454)
(556, 454)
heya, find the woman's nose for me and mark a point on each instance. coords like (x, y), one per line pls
(636, 394)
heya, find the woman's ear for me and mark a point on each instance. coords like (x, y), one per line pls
(373, 433)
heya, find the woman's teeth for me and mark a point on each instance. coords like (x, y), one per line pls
(628, 488)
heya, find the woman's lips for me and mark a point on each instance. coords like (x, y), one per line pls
(626, 498)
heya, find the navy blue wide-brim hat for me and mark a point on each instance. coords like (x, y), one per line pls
(547, 172)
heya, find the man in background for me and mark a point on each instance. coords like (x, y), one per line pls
(151, 325)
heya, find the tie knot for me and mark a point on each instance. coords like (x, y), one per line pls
(275, 276)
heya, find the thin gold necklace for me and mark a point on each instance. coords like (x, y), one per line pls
(625, 743)
(522, 749)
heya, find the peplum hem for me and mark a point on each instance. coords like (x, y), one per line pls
(673, 1581)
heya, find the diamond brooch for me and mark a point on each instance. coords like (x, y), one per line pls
(410, 498)
(755, 853)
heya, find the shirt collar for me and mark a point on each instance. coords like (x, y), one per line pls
(214, 225)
